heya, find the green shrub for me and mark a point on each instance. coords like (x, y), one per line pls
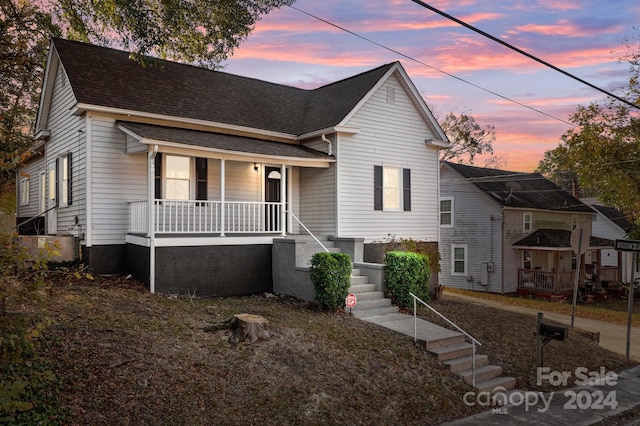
(407, 272)
(331, 278)
(22, 278)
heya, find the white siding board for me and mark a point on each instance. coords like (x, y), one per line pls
(118, 178)
(68, 136)
(32, 171)
(472, 212)
(394, 135)
(318, 199)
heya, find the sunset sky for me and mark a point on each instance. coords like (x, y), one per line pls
(583, 37)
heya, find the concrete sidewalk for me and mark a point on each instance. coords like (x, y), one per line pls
(613, 337)
(582, 405)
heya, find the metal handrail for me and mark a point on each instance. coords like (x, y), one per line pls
(474, 341)
(307, 229)
(31, 219)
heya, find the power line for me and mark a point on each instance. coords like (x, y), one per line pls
(522, 52)
(432, 67)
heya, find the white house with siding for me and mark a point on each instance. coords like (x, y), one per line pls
(184, 177)
(506, 232)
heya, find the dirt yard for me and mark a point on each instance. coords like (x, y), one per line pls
(128, 357)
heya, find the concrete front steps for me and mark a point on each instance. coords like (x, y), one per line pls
(370, 302)
(457, 354)
(448, 346)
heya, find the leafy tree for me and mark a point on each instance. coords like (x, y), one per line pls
(603, 149)
(24, 40)
(199, 32)
(467, 138)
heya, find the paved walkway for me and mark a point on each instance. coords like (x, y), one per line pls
(613, 337)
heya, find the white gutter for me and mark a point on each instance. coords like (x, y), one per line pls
(324, 139)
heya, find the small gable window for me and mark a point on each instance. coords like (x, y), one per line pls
(391, 95)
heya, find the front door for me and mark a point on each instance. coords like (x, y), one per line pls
(272, 181)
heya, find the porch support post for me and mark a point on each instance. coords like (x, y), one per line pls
(151, 180)
(290, 200)
(283, 198)
(556, 272)
(222, 197)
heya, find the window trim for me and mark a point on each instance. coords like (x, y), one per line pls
(450, 212)
(403, 189)
(465, 247)
(195, 178)
(525, 222)
(63, 180)
(574, 221)
(190, 178)
(25, 186)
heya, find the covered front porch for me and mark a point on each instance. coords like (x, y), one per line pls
(210, 185)
(549, 266)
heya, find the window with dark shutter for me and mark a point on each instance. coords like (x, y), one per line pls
(69, 195)
(406, 188)
(158, 176)
(201, 178)
(377, 187)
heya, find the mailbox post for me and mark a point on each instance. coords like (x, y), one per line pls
(548, 332)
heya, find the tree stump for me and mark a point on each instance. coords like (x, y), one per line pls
(249, 327)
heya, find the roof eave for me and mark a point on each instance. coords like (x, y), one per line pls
(230, 128)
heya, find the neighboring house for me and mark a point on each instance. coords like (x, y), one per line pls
(614, 225)
(503, 231)
(184, 176)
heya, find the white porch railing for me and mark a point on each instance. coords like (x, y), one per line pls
(205, 217)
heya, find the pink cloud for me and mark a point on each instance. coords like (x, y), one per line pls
(565, 28)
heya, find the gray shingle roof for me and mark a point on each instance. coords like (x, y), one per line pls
(520, 190)
(615, 216)
(558, 239)
(107, 77)
(222, 141)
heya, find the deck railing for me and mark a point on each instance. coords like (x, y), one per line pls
(206, 217)
(549, 282)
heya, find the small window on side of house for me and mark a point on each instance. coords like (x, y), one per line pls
(574, 221)
(446, 212)
(527, 221)
(24, 191)
(459, 259)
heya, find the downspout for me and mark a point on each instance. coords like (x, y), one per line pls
(324, 139)
(152, 228)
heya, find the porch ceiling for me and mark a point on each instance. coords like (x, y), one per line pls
(219, 142)
(557, 240)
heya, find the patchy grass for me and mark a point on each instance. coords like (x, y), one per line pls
(614, 309)
(129, 357)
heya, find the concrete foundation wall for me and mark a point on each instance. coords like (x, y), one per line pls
(289, 279)
(55, 248)
(106, 259)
